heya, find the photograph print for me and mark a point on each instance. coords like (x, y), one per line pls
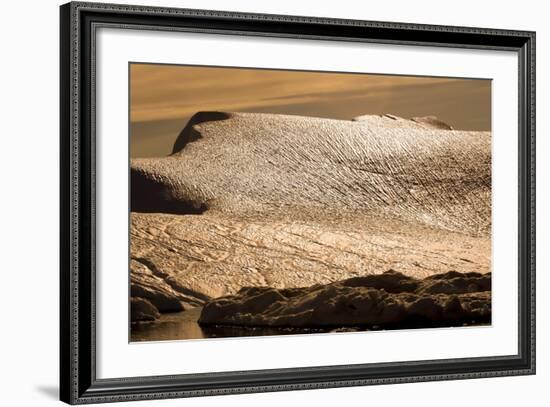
(277, 202)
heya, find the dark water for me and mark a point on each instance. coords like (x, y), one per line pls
(184, 325)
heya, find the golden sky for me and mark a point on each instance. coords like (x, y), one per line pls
(164, 97)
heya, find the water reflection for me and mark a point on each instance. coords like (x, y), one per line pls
(184, 325)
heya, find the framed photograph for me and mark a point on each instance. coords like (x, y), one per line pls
(254, 203)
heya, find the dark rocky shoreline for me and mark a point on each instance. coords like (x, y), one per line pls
(388, 299)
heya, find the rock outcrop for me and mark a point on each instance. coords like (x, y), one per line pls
(154, 291)
(386, 300)
(141, 310)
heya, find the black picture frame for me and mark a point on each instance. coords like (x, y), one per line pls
(78, 382)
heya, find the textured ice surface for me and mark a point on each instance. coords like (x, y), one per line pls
(263, 200)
